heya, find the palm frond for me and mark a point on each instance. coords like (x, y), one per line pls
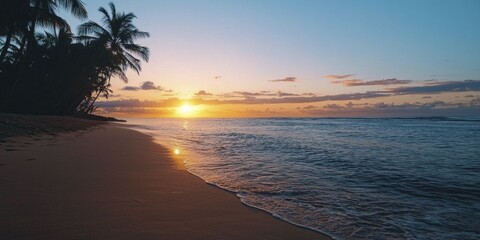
(76, 7)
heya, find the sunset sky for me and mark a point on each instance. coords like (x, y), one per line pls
(301, 58)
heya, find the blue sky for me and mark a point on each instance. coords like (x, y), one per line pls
(248, 43)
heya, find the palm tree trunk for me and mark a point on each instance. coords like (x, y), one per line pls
(73, 91)
(90, 108)
(20, 51)
(80, 92)
(7, 44)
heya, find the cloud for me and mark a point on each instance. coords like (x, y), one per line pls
(338, 76)
(246, 94)
(426, 97)
(283, 94)
(130, 88)
(469, 96)
(435, 108)
(174, 102)
(217, 77)
(309, 107)
(439, 87)
(333, 107)
(252, 94)
(383, 82)
(203, 93)
(148, 85)
(301, 99)
(268, 97)
(136, 103)
(287, 79)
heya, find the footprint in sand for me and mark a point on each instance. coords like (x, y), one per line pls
(2, 164)
(11, 150)
(30, 159)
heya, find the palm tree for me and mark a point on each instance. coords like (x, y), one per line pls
(118, 36)
(114, 43)
(13, 18)
(43, 13)
(24, 17)
(12, 50)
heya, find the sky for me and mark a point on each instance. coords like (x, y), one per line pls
(319, 58)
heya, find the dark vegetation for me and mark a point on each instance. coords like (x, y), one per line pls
(46, 69)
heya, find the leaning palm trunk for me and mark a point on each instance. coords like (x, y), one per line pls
(80, 91)
(6, 45)
(72, 91)
(90, 107)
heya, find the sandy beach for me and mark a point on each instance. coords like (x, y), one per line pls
(108, 182)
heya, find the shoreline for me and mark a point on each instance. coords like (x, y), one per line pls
(159, 198)
(162, 142)
(264, 210)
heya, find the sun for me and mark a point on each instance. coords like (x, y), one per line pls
(186, 110)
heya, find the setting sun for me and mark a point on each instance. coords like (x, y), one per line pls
(186, 110)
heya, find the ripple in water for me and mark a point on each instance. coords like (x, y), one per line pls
(349, 178)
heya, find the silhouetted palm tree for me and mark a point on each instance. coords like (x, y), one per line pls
(54, 74)
(22, 17)
(43, 13)
(13, 18)
(114, 43)
(117, 35)
(12, 49)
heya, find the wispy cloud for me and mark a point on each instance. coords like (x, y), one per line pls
(217, 77)
(245, 94)
(403, 109)
(359, 82)
(307, 107)
(439, 87)
(203, 93)
(148, 85)
(287, 79)
(299, 99)
(268, 97)
(130, 88)
(133, 103)
(338, 76)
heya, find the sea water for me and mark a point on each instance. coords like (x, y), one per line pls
(348, 178)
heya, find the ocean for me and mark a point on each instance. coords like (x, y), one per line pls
(348, 178)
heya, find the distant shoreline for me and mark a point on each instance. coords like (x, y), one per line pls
(66, 178)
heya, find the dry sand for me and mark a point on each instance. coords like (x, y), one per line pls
(115, 183)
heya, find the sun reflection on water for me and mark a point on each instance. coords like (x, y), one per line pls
(176, 151)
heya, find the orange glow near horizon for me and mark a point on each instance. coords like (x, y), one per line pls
(187, 110)
(192, 108)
